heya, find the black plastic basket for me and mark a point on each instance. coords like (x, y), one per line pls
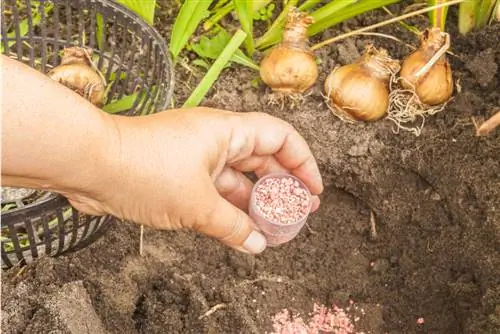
(134, 61)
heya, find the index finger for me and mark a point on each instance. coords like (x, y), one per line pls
(273, 136)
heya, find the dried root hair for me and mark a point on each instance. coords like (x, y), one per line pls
(286, 99)
(406, 110)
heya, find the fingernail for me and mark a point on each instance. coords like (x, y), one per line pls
(255, 243)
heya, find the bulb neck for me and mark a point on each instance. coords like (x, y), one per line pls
(433, 41)
(295, 31)
(76, 55)
(379, 63)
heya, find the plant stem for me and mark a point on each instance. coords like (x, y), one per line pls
(213, 73)
(381, 24)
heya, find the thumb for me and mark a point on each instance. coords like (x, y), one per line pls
(233, 227)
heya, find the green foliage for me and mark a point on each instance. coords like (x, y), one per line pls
(191, 14)
(23, 25)
(343, 13)
(211, 48)
(273, 34)
(264, 14)
(326, 16)
(224, 7)
(437, 17)
(213, 73)
(244, 11)
(475, 14)
(144, 8)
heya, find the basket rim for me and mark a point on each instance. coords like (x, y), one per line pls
(156, 36)
(53, 201)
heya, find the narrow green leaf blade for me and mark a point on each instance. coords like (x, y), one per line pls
(120, 105)
(466, 16)
(212, 47)
(437, 17)
(144, 8)
(99, 30)
(347, 13)
(213, 73)
(244, 10)
(191, 14)
(308, 4)
(330, 9)
(484, 11)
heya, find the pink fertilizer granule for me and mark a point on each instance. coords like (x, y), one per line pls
(282, 200)
(322, 320)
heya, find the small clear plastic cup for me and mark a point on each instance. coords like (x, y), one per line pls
(277, 233)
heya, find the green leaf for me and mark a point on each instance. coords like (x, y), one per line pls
(244, 10)
(144, 8)
(125, 103)
(213, 73)
(437, 17)
(190, 15)
(467, 16)
(212, 47)
(219, 14)
(329, 10)
(274, 33)
(201, 63)
(308, 4)
(23, 25)
(484, 12)
(348, 12)
(219, 4)
(99, 30)
(405, 25)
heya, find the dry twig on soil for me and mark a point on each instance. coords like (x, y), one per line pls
(373, 228)
(212, 310)
(489, 125)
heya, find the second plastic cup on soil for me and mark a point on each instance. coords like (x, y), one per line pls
(277, 233)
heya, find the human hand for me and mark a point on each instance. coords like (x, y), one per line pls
(184, 169)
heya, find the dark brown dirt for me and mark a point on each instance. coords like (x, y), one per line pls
(435, 198)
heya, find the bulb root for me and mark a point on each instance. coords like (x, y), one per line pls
(405, 107)
(290, 67)
(284, 99)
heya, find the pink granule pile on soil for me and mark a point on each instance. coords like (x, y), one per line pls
(322, 320)
(282, 200)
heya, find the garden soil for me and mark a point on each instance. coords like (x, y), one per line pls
(434, 201)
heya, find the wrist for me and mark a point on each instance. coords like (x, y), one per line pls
(89, 178)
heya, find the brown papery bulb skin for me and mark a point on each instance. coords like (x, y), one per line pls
(290, 67)
(360, 91)
(76, 73)
(436, 85)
